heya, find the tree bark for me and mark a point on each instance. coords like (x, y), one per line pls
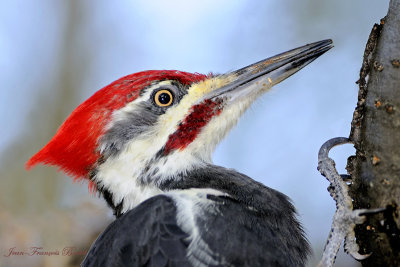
(375, 131)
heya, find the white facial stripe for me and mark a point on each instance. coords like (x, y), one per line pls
(119, 175)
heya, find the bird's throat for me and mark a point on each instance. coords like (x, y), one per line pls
(125, 180)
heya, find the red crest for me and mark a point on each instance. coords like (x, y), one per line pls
(74, 147)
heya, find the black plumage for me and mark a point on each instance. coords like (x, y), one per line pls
(249, 225)
(145, 236)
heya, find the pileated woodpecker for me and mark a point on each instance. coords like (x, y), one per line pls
(145, 143)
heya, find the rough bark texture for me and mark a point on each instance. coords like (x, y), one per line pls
(376, 133)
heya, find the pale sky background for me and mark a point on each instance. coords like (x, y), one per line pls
(276, 141)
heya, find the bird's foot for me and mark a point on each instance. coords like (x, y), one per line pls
(345, 218)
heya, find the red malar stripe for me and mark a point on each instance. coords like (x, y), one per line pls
(188, 130)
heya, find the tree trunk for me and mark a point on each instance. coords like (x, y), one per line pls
(376, 134)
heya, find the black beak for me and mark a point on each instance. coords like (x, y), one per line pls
(259, 77)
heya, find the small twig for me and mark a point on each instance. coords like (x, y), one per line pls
(345, 217)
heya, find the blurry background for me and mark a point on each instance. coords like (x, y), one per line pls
(55, 54)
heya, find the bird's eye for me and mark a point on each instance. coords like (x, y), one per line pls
(163, 98)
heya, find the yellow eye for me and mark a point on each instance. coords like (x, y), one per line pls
(163, 98)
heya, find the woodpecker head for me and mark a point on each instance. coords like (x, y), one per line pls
(147, 127)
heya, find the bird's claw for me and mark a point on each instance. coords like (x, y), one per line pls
(351, 247)
(345, 217)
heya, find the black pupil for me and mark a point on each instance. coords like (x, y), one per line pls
(164, 98)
